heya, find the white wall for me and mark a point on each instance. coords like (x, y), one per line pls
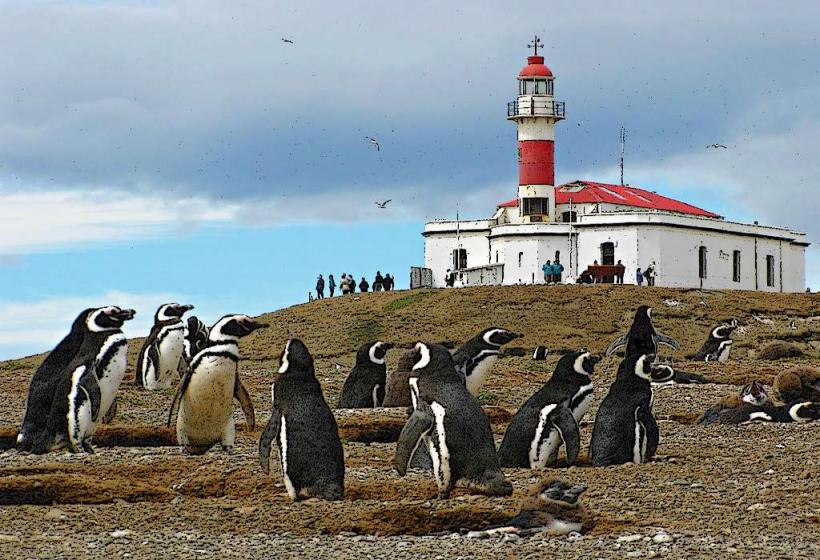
(534, 250)
(438, 251)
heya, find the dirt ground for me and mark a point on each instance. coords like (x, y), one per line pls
(750, 491)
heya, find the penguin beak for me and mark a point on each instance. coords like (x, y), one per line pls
(661, 373)
(124, 314)
(185, 308)
(594, 358)
(387, 345)
(252, 325)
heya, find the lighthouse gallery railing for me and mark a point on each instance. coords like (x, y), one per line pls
(536, 107)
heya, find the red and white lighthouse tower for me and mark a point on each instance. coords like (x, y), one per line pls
(535, 112)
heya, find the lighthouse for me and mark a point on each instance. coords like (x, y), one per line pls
(535, 113)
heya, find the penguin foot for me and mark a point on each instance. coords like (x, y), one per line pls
(87, 448)
(228, 449)
(443, 495)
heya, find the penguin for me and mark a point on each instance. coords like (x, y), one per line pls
(304, 430)
(551, 416)
(752, 394)
(196, 337)
(474, 359)
(642, 337)
(540, 353)
(365, 386)
(795, 411)
(798, 383)
(163, 348)
(551, 506)
(205, 395)
(718, 344)
(678, 377)
(87, 386)
(448, 420)
(43, 382)
(397, 391)
(625, 429)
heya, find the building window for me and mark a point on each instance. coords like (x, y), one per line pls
(520, 258)
(569, 217)
(702, 262)
(496, 257)
(608, 253)
(459, 258)
(736, 266)
(549, 87)
(535, 206)
(769, 270)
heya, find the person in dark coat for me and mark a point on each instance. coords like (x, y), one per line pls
(363, 285)
(320, 287)
(378, 282)
(387, 283)
(619, 276)
(331, 284)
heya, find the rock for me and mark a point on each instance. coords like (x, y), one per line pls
(55, 514)
(246, 510)
(662, 537)
(634, 554)
(9, 539)
(756, 507)
(120, 533)
(629, 538)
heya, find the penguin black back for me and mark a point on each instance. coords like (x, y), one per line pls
(44, 380)
(642, 337)
(365, 386)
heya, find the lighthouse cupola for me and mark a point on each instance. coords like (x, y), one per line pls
(535, 113)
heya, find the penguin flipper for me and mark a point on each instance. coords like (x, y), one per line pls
(267, 439)
(682, 377)
(91, 385)
(241, 394)
(661, 338)
(183, 385)
(418, 425)
(563, 420)
(617, 344)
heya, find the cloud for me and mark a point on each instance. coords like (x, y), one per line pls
(37, 326)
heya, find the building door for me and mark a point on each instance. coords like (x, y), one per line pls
(459, 259)
(608, 259)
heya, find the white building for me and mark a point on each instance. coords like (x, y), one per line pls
(583, 222)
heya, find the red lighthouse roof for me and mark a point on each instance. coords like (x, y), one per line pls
(588, 192)
(535, 67)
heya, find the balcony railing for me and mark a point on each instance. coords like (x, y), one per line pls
(536, 108)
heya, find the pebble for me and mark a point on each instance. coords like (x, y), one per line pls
(634, 554)
(9, 539)
(756, 507)
(662, 538)
(629, 538)
(55, 514)
(120, 533)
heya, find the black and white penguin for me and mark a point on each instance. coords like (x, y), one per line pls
(678, 377)
(303, 429)
(87, 386)
(365, 386)
(474, 359)
(43, 382)
(452, 425)
(206, 392)
(642, 337)
(540, 353)
(163, 348)
(796, 411)
(752, 394)
(551, 416)
(625, 430)
(196, 337)
(718, 344)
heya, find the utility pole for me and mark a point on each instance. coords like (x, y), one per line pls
(623, 144)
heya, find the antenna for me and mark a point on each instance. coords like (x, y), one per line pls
(623, 144)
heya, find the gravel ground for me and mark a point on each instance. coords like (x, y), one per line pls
(750, 491)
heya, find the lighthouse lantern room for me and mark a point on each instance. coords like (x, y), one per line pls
(535, 113)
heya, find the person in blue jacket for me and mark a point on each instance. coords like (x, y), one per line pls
(547, 268)
(639, 276)
(557, 271)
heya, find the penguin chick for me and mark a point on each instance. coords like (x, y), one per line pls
(798, 383)
(551, 506)
(303, 429)
(452, 425)
(474, 359)
(365, 386)
(397, 392)
(752, 394)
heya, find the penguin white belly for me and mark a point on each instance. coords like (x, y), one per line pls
(440, 456)
(205, 408)
(79, 417)
(479, 374)
(110, 376)
(723, 351)
(639, 446)
(541, 451)
(170, 351)
(283, 457)
(582, 406)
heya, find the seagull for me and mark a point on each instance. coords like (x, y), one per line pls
(374, 142)
(287, 41)
(383, 204)
(716, 146)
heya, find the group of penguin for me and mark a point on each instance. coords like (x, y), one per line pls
(447, 431)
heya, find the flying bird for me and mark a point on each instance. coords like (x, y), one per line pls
(716, 146)
(374, 142)
(383, 204)
(287, 41)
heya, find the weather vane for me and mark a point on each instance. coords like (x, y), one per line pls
(536, 42)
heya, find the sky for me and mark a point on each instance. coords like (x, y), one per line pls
(182, 151)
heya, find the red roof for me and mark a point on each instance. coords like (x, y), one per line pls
(535, 67)
(586, 192)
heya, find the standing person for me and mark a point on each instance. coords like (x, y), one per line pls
(619, 274)
(547, 268)
(449, 279)
(363, 285)
(387, 284)
(378, 282)
(343, 286)
(639, 277)
(654, 274)
(320, 287)
(557, 271)
(351, 283)
(331, 284)
(647, 273)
